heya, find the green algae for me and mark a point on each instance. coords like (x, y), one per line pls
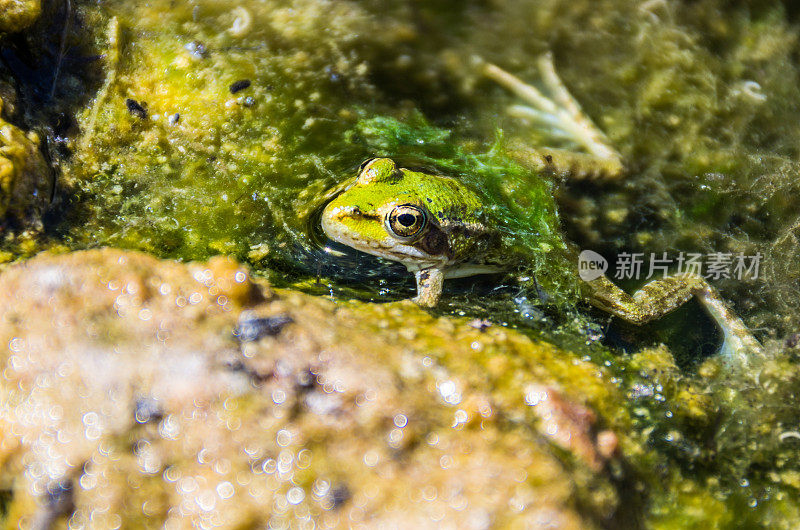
(227, 173)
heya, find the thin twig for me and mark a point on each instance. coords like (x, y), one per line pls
(62, 48)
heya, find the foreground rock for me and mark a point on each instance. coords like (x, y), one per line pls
(136, 391)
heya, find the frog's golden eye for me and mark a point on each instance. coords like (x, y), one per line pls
(406, 222)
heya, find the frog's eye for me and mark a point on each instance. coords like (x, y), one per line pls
(406, 222)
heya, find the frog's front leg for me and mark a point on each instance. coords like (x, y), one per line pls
(659, 297)
(429, 286)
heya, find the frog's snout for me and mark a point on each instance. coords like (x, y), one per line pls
(327, 219)
(332, 220)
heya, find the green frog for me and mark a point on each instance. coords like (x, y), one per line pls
(440, 228)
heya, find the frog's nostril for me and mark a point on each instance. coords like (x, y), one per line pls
(337, 214)
(343, 212)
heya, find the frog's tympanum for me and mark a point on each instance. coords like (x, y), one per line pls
(438, 227)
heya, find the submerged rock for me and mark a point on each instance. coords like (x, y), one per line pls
(24, 175)
(126, 397)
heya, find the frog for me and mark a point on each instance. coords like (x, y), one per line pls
(439, 228)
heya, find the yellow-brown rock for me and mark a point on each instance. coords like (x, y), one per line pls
(136, 391)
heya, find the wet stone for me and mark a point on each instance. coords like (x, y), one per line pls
(251, 328)
(59, 500)
(147, 410)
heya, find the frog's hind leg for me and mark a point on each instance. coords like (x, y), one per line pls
(562, 115)
(659, 297)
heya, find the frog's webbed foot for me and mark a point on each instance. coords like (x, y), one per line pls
(429, 286)
(562, 116)
(659, 297)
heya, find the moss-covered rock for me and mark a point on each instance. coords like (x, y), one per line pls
(24, 176)
(141, 390)
(16, 15)
(173, 159)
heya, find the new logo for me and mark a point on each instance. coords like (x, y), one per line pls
(591, 265)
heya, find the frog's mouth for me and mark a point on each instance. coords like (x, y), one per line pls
(343, 224)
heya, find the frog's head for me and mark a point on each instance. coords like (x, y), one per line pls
(384, 213)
